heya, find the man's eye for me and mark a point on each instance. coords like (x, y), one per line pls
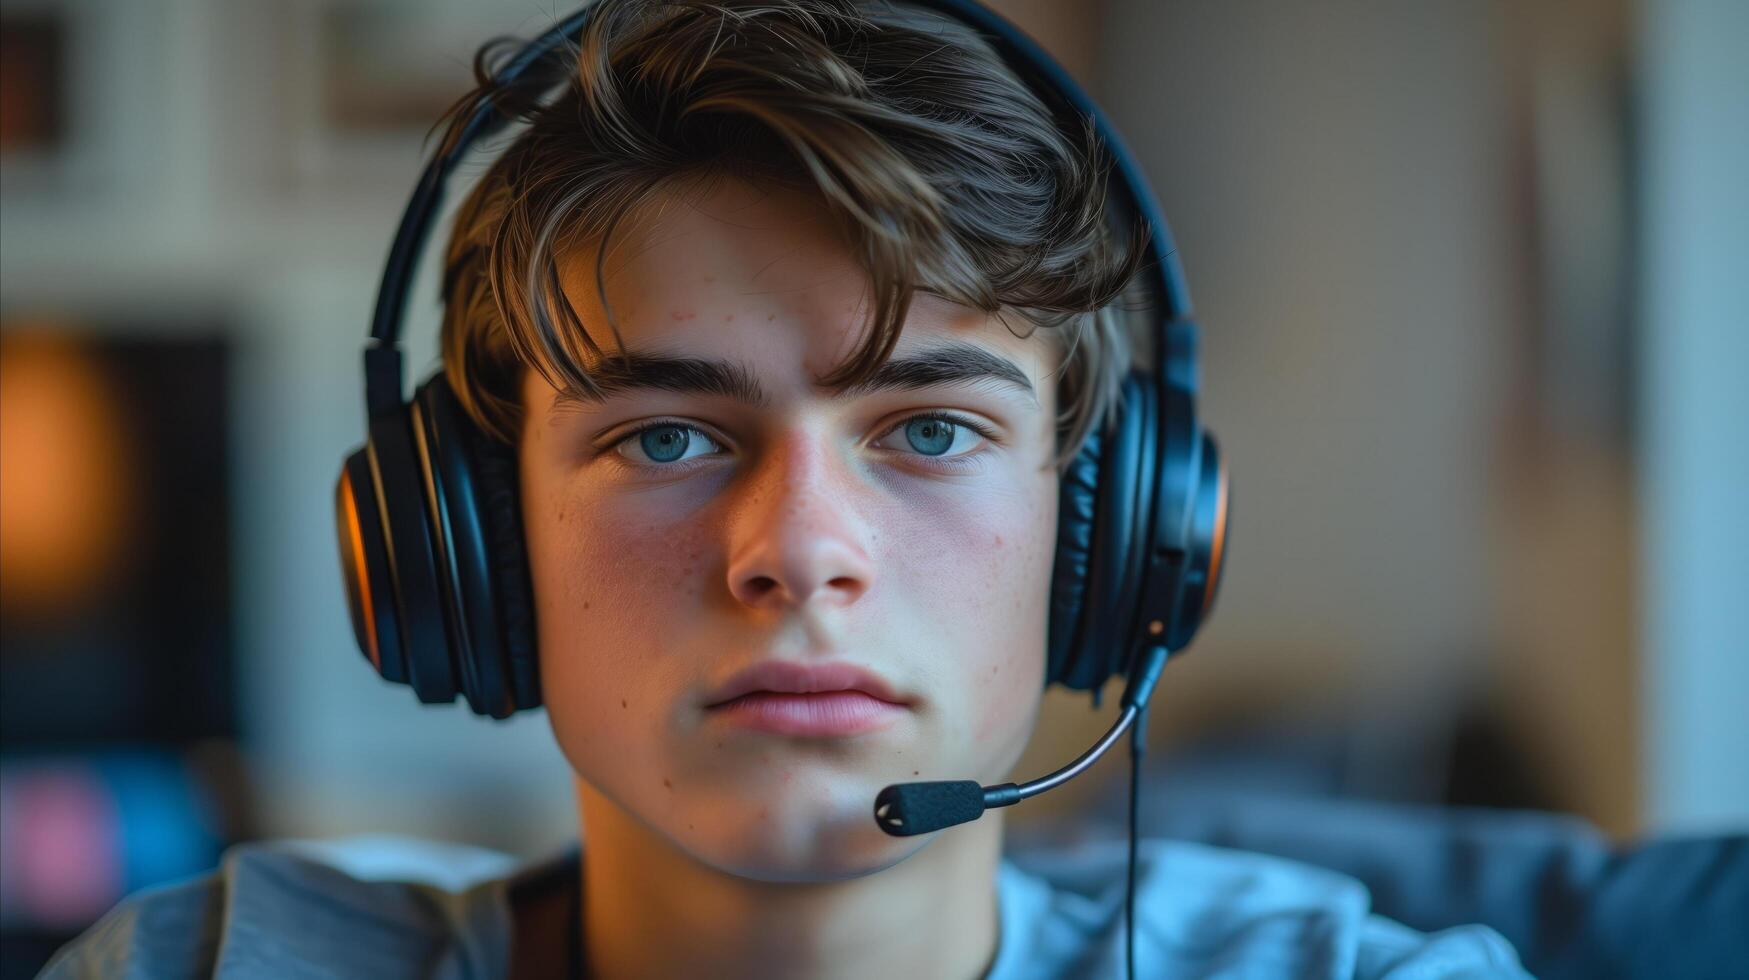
(665, 442)
(668, 443)
(932, 435)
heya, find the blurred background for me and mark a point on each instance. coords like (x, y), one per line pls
(1472, 279)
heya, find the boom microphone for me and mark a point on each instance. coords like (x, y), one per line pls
(908, 809)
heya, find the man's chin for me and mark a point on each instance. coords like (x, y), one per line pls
(819, 864)
(799, 840)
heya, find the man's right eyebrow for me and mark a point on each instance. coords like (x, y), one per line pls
(625, 372)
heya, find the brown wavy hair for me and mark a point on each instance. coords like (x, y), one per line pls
(947, 172)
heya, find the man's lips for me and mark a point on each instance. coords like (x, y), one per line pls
(796, 677)
(830, 714)
(825, 699)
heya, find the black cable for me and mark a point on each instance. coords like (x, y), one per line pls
(574, 934)
(1138, 745)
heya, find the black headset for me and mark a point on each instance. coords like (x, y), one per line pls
(431, 542)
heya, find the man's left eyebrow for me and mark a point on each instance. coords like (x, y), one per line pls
(942, 364)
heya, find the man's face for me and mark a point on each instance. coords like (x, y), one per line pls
(765, 518)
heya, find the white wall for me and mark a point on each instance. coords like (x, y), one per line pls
(1695, 418)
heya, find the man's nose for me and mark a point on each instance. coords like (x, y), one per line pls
(794, 535)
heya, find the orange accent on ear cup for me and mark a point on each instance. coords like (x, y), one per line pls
(1213, 582)
(360, 578)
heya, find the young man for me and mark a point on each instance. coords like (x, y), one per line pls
(789, 312)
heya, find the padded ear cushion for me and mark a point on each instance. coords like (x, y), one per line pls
(499, 498)
(480, 553)
(1097, 558)
(1125, 511)
(1077, 498)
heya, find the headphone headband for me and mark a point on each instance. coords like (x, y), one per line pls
(1176, 343)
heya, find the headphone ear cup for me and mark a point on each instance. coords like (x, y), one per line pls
(483, 567)
(386, 558)
(1208, 542)
(365, 568)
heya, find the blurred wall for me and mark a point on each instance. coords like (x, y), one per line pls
(1413, 232)
(1335, 176)
(203, 183)
(1695, 472)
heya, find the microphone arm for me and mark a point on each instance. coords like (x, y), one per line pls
(907, 809)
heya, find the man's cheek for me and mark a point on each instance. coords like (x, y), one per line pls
(600, 640)
(627, 580)
(1005, 696)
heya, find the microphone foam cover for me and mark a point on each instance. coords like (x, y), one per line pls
(906, 809)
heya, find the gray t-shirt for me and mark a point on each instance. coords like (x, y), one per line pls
(394, 907)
